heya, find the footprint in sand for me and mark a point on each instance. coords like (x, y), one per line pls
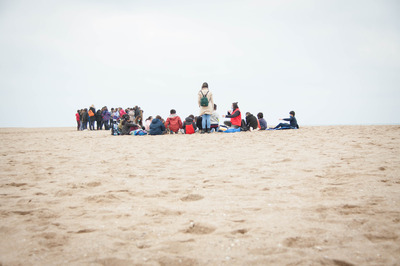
(93, 184)
(299, 242)
(240, 231)
(336, 262)
(84, 231)
(192, 197)
(16, 184)
(199, 229)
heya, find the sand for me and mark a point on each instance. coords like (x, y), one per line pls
(318, 195)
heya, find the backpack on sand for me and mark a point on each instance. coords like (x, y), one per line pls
(204, 100)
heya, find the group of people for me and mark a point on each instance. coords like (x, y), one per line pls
(129, 121)
(104, 117)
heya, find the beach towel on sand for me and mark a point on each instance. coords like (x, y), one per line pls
(281, 128)
(139, 132)
(232, 130)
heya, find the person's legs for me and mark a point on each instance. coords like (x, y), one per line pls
(208, 120)
(203, 122)
(78, 125)
(282, 125)
(227, 123)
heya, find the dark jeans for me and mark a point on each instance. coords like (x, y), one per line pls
(78, 125)
(84, 125)
(91, 125)
(99, 125)
(106, 126)
(229, 124)
(283, 125)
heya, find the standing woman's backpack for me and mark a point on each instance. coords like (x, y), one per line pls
(204, 99)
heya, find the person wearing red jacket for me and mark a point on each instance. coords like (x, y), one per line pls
(78, 120)
(235, 116)
(173, 123)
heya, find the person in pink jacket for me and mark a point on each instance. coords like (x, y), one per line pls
(147, 123)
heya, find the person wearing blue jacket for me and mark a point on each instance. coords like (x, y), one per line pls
(157, 126)
(292, 120)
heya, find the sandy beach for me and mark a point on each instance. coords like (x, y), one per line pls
(315, 196)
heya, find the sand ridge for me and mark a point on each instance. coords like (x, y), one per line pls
(318, 195)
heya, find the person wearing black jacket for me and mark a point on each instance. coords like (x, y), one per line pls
(187, 123)
(251, 122)
(292, 120)
(199, 122)
(85, 118)
(126, 125)
(99, 120)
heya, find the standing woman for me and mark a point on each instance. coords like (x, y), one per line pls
(206, 104)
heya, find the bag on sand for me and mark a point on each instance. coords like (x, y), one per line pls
(114, 129)
(204, 100)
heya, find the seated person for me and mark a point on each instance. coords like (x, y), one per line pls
(235, 116)
(263, 123)
(173, 123)
(147, 123)
(138, 122)
(292, 120)
(251, 122)
(214, 119)
(126, 125)
(157, 126)
(199, 122)
(189, 126)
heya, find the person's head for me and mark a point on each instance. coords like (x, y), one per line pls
(149, 118)
(138, 119)
(85, 109)
(77, 111)
(215, 107)
(172, 112)
(126, 117)
(158, 117)
(205, 85)
(248, 113)
(292, 113)
(191, 116)
(260, 115)
(235, 106)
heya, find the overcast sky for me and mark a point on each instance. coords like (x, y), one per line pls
(333, 62)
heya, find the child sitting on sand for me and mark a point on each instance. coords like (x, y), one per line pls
(173, 123)
(292, 120)
(263, 123)
(147, 123)
(127, 124)
(251, 122)
(157, 126)
(189, 126)
(214, 119)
